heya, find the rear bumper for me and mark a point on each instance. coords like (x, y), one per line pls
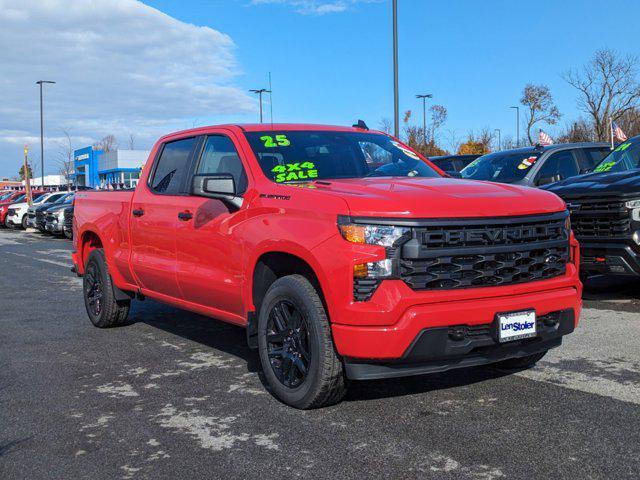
(610, 259)
(446, 348)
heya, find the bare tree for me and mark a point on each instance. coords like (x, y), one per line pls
(438, 117)
(65, 158)
(607, 88)
(580, 130)
(629, 122)
(132, 141)
(540, 107)
(385, 125)
(477, 144)
(107, 144)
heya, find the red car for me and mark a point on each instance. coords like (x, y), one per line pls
(343, 252)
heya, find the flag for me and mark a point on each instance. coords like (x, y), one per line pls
(618, 134)
(544, 138)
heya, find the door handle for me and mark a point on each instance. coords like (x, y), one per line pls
(185, 216)
(138, 212)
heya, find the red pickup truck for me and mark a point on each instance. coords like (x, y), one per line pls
(343, 252)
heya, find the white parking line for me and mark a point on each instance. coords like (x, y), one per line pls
(44, 260)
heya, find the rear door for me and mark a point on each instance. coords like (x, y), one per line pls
(154, 217)
(209, 254)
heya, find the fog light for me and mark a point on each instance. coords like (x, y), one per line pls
(383, 268)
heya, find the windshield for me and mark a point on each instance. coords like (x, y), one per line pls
(504, 167)
(303, 156)
(19, 199)
(625, 157)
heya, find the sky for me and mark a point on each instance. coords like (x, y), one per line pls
(143, 69)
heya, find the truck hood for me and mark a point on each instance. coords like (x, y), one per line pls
(594, 184)
(439, 198)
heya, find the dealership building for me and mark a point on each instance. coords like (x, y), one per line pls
(98, 169)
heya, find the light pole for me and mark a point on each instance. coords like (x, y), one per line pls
(517, 125)
(41, 82)
(499, 139)
(260, 92)
(424, 115)
(396, 107)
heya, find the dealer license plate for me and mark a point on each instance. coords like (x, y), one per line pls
(516, 325)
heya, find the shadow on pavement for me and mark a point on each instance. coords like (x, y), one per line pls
(231, 339)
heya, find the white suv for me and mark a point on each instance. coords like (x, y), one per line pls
(17, 212)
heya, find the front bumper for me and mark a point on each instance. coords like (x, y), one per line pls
(610, 259)
(54, 227)
(445, 348)
(14, 219)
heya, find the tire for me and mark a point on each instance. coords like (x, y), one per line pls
(103, 309)
(323, 383)
(6, 222)
(24, 222)
(521, 362)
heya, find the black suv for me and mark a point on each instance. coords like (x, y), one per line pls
(537, 166)
(605, 212)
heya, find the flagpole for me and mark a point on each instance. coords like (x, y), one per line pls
(611, 130)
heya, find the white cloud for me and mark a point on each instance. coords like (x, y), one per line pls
(121, 67)
(315, 7)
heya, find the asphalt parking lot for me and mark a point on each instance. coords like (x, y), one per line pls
(176, 395)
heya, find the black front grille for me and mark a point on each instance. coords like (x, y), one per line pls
(40, 219)
(68, 219)
(11, 212)
(363, 288)
(483, 253)
(603, 218)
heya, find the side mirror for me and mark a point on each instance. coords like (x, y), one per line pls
(548, 179)
(220, 185)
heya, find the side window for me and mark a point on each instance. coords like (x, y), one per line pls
(172, 166)
(593, 157)
(446, 165)
(220, 156)
(558, 166)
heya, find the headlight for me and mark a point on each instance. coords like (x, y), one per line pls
(383, 235)
(634, 206)
(60, 215)
(387, 236)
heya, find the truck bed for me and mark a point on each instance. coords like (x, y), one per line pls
(107, 212)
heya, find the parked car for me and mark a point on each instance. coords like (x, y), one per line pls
(605, 212)
(342, 252)
(53, 216)
(17, 212)
(67, 228)
(15, 197)
(537, 166)
(452, 164)
(36, 215)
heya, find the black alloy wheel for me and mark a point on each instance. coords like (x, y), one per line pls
(288, 344)
(93, 289)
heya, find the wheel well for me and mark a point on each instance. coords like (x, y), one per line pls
(269, 267)
(90, 241)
